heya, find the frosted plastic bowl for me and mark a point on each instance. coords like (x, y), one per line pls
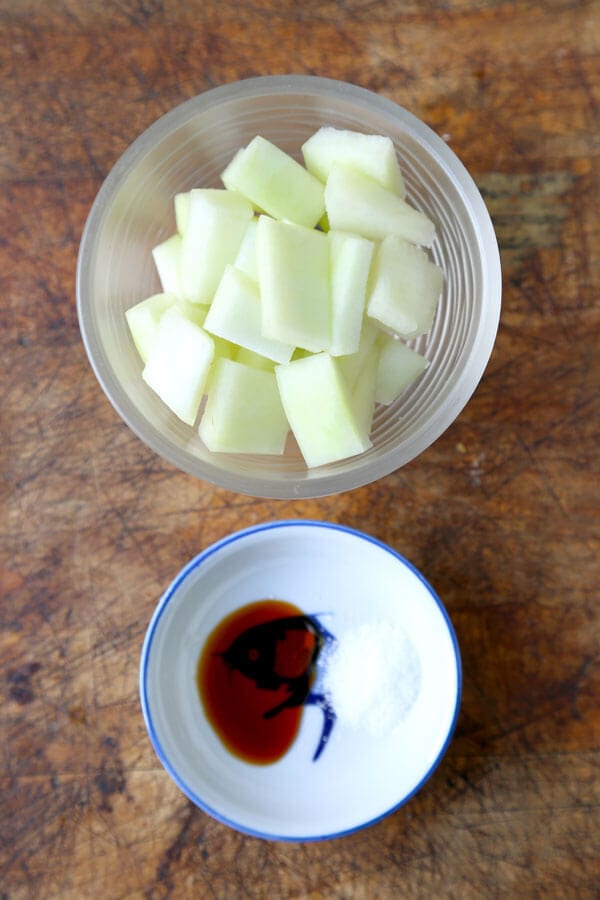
(189, 147)
(348, 580)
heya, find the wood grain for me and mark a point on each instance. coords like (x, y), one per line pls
(501, 513)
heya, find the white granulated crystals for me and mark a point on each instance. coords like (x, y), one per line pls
(372, 677)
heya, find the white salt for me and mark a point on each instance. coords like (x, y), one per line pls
(372, 677)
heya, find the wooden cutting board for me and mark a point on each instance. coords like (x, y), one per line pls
(500, 514)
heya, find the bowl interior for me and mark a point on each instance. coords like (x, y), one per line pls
(190, 147)
(358, 778)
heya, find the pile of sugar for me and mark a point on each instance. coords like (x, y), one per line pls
(372, 677)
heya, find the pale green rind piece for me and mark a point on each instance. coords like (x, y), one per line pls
(195, 312)
(372, 154)
(351, 364)
(217, 222)
(245, 260)
(364, 391)
(357, 203)
(319, 408)
(167, 259)
(235, 314)
(182, 208)
(243, 412)
(349, 262)
(398, 366)
(256, 360)
(143, 320)
(178, 365)
(293, 276)
(275, 183)
(404, 287)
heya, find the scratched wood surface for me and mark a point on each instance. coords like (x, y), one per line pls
(501, 513)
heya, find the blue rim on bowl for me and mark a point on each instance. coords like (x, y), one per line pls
(245, 797)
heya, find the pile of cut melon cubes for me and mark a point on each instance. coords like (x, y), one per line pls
(288, 296)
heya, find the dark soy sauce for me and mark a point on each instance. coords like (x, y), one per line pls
(254, 675)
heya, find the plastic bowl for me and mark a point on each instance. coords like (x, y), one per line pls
(347, 580)
(189, 147)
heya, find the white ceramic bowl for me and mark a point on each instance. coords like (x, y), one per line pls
(348, 579)
(189, 147)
